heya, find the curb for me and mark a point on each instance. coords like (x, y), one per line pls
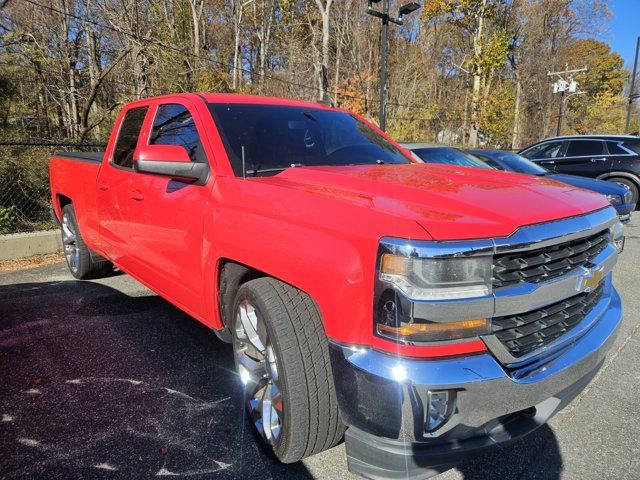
(21, 245)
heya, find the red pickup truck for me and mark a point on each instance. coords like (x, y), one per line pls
(422, 312)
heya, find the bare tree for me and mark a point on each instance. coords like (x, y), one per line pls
(322, 70)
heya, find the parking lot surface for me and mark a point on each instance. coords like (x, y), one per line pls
(104, 379)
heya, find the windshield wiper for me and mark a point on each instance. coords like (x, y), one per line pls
(255, 171)
(309, 116)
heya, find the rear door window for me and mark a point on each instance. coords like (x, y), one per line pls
(128, 137)
(615, 148)
(174, 125)
(633, 145)
(585, 148)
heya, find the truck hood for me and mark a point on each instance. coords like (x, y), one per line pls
(450, 203)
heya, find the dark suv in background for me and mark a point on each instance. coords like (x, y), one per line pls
(615, 158)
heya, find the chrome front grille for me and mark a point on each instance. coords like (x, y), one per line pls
(539, 265)
(526, 332)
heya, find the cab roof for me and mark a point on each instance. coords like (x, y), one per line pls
(260, 100)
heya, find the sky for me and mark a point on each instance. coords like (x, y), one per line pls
(624, 29)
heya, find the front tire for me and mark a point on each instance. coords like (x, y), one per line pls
(282, 357)
(78, 256)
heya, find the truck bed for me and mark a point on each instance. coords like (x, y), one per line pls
(73, 178)
(93, 157)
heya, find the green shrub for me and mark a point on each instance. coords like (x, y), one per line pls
(7, 219)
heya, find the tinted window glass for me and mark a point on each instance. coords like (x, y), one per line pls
(276, 137)
(584, 148)
(544, 150)
(633, 145)
(516, 163)
(449, 156)
(128, 137)
(488, 160)
(174, 125)
(616, 149)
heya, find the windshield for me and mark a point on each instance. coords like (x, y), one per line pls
(277, 137)
(512, 162)
(449, 156)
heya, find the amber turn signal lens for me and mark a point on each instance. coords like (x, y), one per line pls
(393, 264)
(438, 331)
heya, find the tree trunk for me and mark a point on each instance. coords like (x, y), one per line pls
(323, 80)
(477, 77)
(238, 13)
(515, 138)
(196, 16)
(264, 39)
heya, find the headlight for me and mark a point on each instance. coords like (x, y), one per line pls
(614, 199)
(628, 196)
(617, 236)
(405, 277)
(438, 278)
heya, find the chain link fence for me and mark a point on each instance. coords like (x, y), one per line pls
(25, 203)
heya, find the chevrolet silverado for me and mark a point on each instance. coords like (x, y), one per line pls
(421, 312)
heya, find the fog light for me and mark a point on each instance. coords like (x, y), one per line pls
(439, 410)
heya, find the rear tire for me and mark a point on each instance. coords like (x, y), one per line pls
(80, 259)
(282, 356)
(628, 183)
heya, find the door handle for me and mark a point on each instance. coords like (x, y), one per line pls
(136, 195)
(599, 159)
(103, 186)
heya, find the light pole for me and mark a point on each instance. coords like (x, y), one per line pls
(632, 94)
(386, 18)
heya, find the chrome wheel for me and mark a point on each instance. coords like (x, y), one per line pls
(258, 369)
(70, 243)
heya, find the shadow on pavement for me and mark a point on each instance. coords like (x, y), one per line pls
(99, 384)
(96, 383)
(537, 456)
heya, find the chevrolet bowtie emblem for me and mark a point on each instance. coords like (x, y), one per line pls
(590, 279)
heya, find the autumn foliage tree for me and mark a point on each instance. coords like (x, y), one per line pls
(462, 71)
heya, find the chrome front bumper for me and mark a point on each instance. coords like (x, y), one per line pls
(383, 398)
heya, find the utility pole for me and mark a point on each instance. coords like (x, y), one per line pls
(632, 94)
(564, 83)
(383, 65)
(560, 113)
(386, 18)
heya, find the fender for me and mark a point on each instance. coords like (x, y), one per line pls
(327, 253)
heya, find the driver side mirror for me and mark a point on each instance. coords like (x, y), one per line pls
(170, 161)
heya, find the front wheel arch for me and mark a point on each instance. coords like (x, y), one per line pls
(633, 180)
(630, 176)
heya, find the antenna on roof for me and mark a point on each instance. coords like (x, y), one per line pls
(244, 169)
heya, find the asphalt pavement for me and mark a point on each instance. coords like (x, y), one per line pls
(104, 379)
